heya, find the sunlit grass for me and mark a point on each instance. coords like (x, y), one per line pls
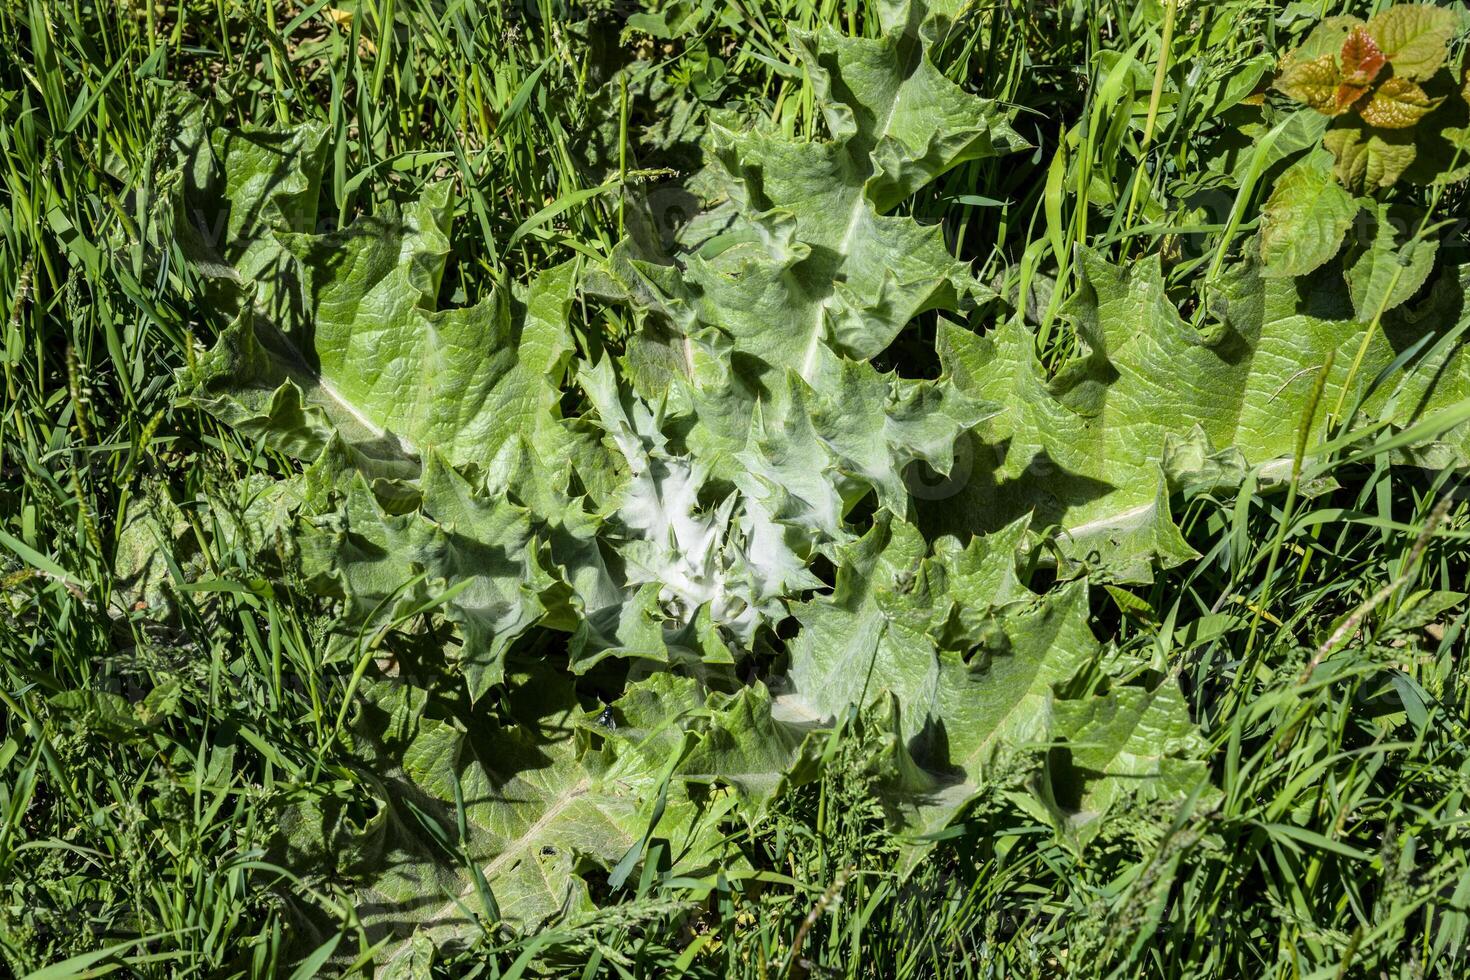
(144, 764)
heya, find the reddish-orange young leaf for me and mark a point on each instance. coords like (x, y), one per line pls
(1346, 95)
(1362, 59)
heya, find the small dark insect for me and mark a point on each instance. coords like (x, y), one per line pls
(548, 851)
(606, 719)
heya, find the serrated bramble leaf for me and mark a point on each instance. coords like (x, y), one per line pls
(1397, 104)
(1348, 96)
(1383, 274)
(1305, 218)
(1370, 160)
(1414, 38)
(1313, 83)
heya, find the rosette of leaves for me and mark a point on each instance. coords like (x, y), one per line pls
(1385, 85)
(663, 502)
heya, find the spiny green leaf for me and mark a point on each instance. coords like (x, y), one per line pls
(1129, 742)
(969, 686)
(542, 800)
(1083, 448)
(477, 549)
(338, 332)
